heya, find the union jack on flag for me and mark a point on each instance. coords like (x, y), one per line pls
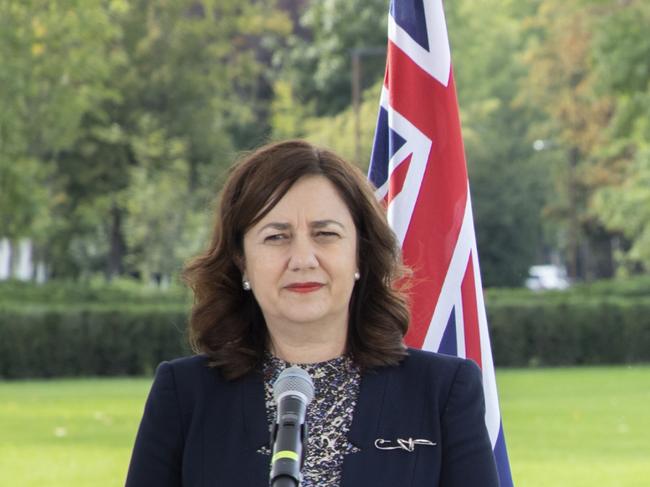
(418, 166)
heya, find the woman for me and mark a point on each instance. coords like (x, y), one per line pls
(301, 270)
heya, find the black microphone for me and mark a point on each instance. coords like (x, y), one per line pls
(292, 392)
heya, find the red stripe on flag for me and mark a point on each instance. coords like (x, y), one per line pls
(470, 315)
(435, 224)
(414, 93)
(397, 178)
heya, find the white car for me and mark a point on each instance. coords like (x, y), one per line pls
(547, 277)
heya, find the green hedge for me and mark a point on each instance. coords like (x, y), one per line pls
(94, 291)
(569, 331)
(55, 341)
(131, 337)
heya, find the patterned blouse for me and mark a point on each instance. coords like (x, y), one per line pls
(329, 415)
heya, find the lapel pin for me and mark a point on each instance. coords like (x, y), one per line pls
(408, 444)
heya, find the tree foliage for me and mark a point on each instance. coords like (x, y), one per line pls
(317, 57)
(589, 73)
(53, 69)
(622, 66)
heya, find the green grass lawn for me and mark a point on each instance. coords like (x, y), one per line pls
(68, 433)
(577, 427)
(564, 427)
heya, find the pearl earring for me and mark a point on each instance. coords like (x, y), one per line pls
(357, 276)
(245, 283)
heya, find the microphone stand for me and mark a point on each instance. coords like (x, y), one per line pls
(284, 481)
(287, 473)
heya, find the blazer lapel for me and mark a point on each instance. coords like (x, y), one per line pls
(256, 430)
(256, 427)
(364, 429)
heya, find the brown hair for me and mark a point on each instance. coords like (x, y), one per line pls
(227, 324)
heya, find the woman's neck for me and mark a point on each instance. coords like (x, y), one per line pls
(303, 348)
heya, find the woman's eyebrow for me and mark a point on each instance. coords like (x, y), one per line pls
(287, 226)
(275, 226)
(324, 223)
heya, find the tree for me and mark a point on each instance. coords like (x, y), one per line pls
(317, 57)
(54, 68)
(621, 56)
(560, 86)
(291, 118)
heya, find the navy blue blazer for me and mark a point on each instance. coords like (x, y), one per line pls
(199, 430)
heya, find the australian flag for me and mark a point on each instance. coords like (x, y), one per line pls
(418, 166)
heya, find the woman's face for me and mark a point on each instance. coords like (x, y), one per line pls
(300, 259)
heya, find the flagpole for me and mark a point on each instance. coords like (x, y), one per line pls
(356, 103)
(356, 54)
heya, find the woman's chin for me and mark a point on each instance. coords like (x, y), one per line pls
(306, 317)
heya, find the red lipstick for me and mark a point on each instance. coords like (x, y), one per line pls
(304, 287)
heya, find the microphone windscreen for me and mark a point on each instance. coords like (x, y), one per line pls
(294, 379)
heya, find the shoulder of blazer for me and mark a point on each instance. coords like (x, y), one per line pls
(430, 374)
(189, 367)
(189, 372)
(419, 362)
(417, 356)
(191, 378)
(194, 379)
